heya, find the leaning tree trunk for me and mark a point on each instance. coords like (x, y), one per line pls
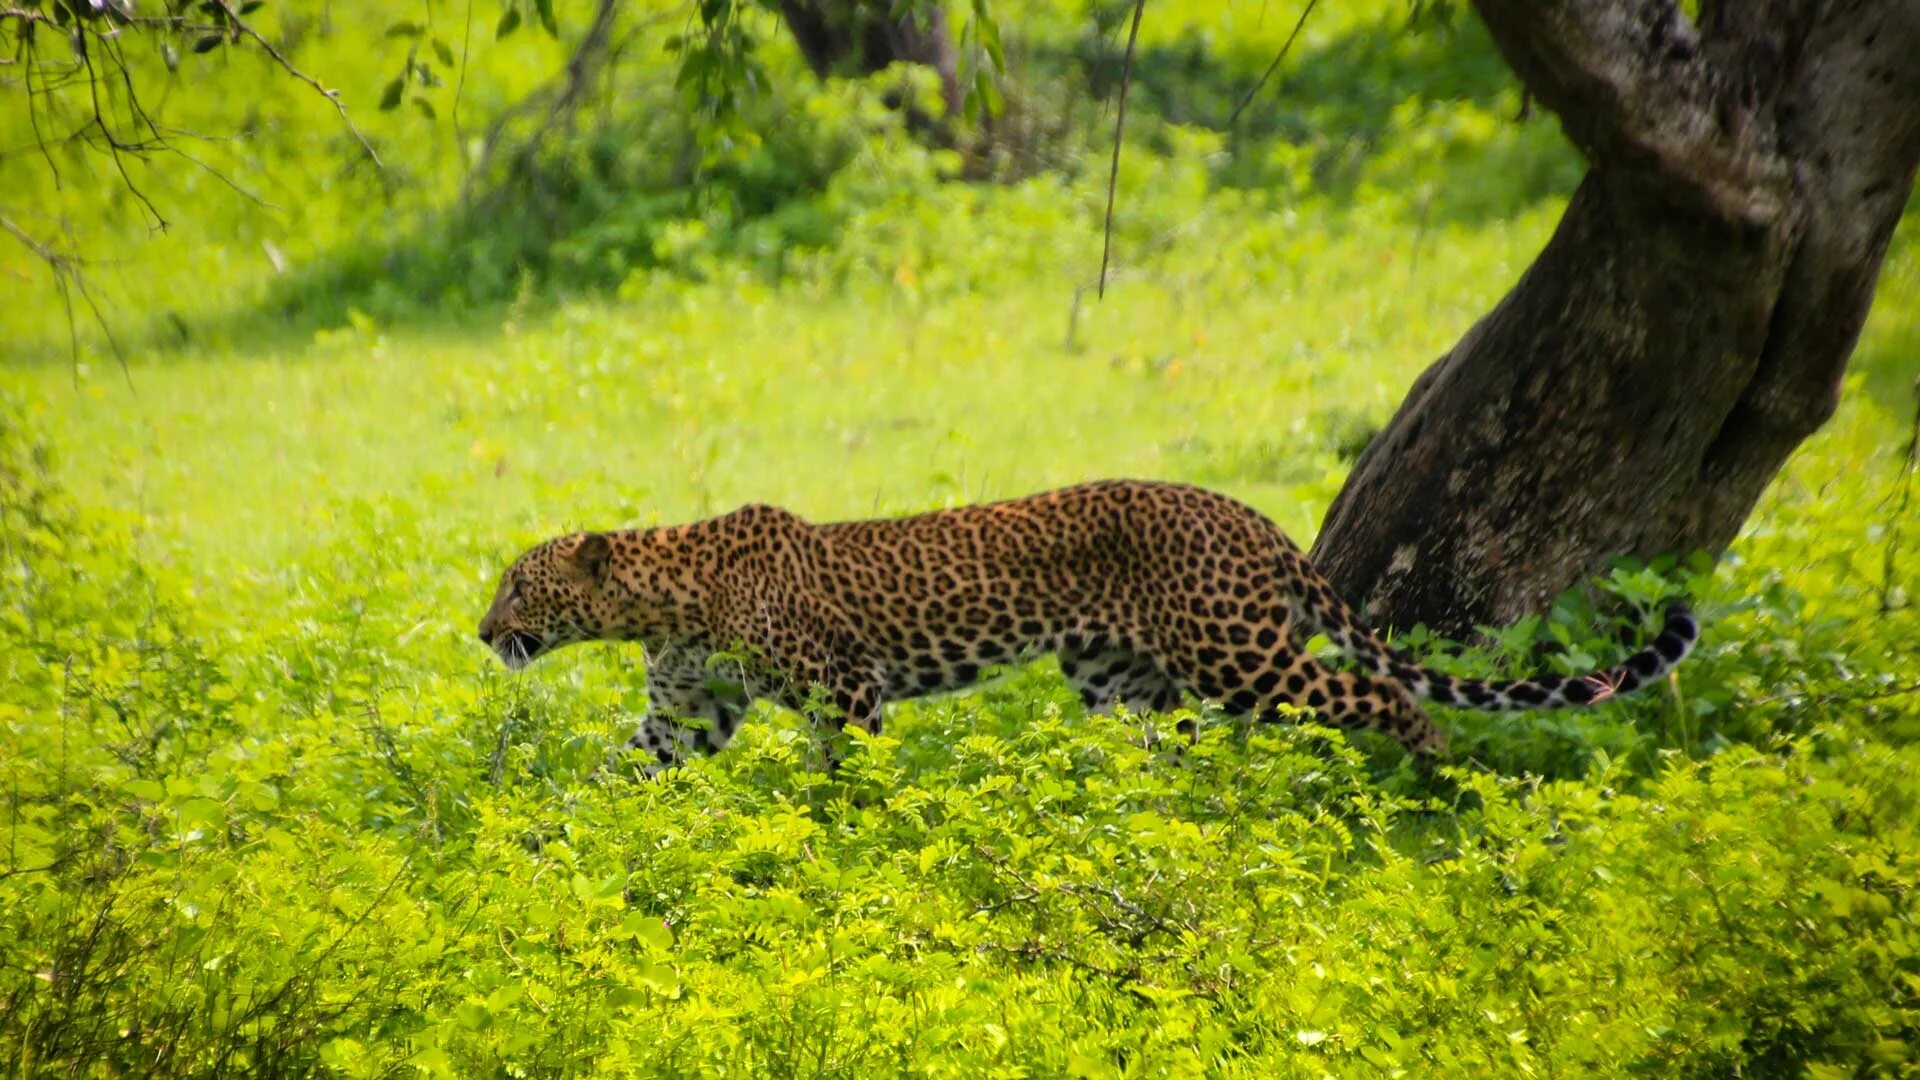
(860, 37)
(1684, 329)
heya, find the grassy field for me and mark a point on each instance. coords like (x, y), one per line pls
(270, 808)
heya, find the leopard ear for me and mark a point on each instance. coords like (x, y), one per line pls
(592, 553)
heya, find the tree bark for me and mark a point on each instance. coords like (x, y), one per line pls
(860, 37)
(1682, 332)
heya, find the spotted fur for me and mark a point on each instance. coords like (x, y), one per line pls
(1147, 593)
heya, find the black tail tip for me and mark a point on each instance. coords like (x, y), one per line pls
(1680, 619)
(1677, 636)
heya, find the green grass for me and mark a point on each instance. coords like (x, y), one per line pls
(269, 807)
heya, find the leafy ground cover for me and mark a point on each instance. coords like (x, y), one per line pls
(269, 808)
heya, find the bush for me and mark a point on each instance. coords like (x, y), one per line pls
(268, 856)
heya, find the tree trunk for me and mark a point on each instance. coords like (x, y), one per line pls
(860, 37)
(1684, 329)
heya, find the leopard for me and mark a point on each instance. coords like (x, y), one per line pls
(1150, 594)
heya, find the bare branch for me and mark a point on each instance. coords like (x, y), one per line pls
(22, 15)
(118, 129)
(244, 192)
(1119, 128)
(45, 252)
(40, 140)
(114, 145)
(1285, 48)
(287, 65)
(68, 277)
(561, 98)
(460, 84)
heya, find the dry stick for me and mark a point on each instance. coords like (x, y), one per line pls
(1119, 126)
(1120, 122)
(1420, 233)
(1892, 553)
(459, 87)
(1275, 66)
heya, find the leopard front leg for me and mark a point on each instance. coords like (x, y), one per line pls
(690, 707)
(810, 657)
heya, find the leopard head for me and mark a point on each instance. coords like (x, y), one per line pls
(554, 594)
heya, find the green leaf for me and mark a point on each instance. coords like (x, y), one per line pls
(629, 997)
(433, 1061)
(150, 790)
(425, 107)
(659, 978)
(405, 30)
(252, 6)
(391, 98)
(208, 43)
(545, 8)
(990, 37)
(989, 93)
(1889, 1052)
(202, 811)
(508, 24)
(609, 888)
(442, 50)
(648, 930)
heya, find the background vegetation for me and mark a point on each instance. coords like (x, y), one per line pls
(268, 807)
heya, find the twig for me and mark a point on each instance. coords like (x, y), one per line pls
(1271, 68)
(114, 146)
(460, 85)
(250, 196)
(1892, 553)
(1850, 699)
(1420, 232)
(46, 254)
(560, 96)
(67, 276)
(33, 118)
(135, 111)
(287, 65)
(47, 869)
(1119, 127)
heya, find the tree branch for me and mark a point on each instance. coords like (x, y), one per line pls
(1635, 90)
(86, 84)
(287, 65)
(560, 97)
(68, 277)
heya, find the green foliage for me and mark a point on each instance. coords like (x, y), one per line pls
(273, 859)
(266, 807)
(493, 189)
